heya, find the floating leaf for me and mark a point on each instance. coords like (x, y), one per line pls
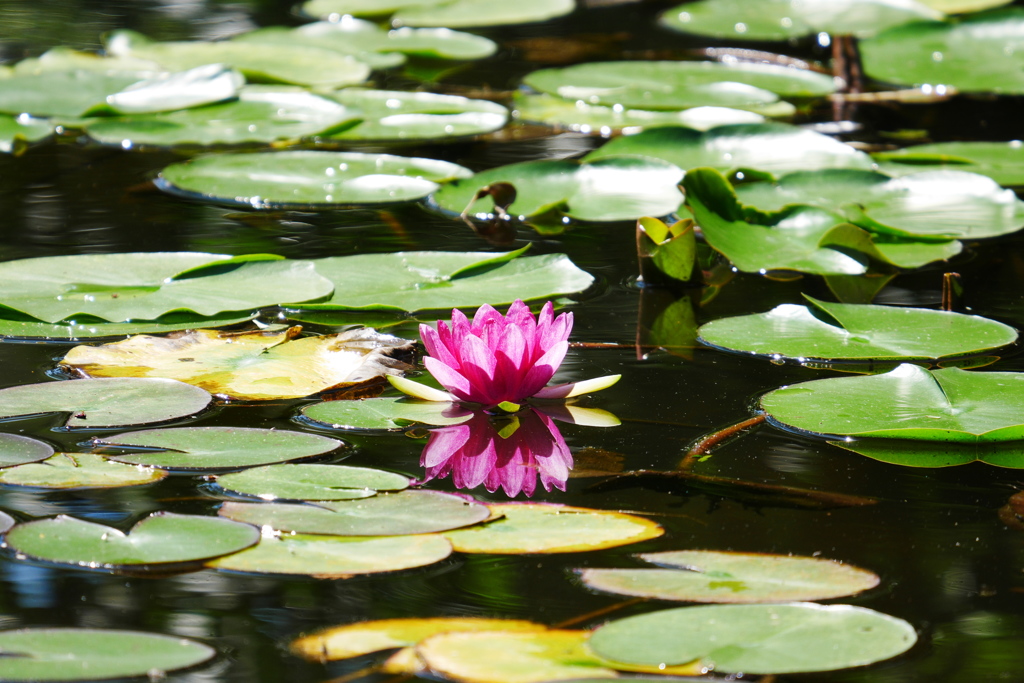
(261, 114)
(461, 13)
(308, 178)
(28, 329)
(20, 130)
(295, 63)
(312, 482)
(729, 577)
(336, 557)
(162, 538)
(199, 448)
(168, 91)
(908, 453)
(408, 116)
(78, 654)
(104, 403)
(835, 331)
(60, 93)
(772, 147)
(756, 639)
(1003, 162)
(974, 53)
(610, 189)
(547, 528)
(431, 280)
(20, 450)
(63, 58)
(948, 405)
(680, 85)
(79, 470)
(788, 19)
(251, 366)
(384, 413)
(595, 118)
(366, 637)
(122, 287)
(930, 205)
(387, 514)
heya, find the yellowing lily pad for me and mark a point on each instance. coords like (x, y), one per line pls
(387, 514)
(161, 539)
(728, 577)
(312, 482)
(546, 528)
(79, 470)
(355, 640)
(336, 557)
(199, 448)
(252, 366)
(98, 403)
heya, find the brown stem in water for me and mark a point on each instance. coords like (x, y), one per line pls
(952, 289)
(704, 445)
(598, 613)
(355, 675)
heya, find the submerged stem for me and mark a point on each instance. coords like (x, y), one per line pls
(705, 444)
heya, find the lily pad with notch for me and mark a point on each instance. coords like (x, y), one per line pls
(205, 448)
(311, 482)
(384, 413)
(106, 403)
(386, 514)
(156, 543)
(80, 654)
(79, 471)
(307, 179)
(336, 557)
(253, 366)
(732, 577)
(526, 528)
(756, 639)
(851, 332)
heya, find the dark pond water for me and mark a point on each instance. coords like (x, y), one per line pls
(948, 565)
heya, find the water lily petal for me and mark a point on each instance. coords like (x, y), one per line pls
(587, 386)
(417, 390)
(544, 369)
(438, 342)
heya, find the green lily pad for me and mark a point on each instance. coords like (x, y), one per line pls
(336, 557)
(260, 114)
(105, 403)
(1003, 162)
(63, 58)
(16, 131)
(366, 637)
(834, 331)
(407, 116)
(427, 280)
(963, 6)
(463, 13)
(161, 539)
(201, 448)
(948, 405)
(384, 413)
(78, 470)
(20, 450)
(934, 205)
(60, 93)
(123, 287)
(610, 189)
(729, 577)
(29, 329)
(788, 19)
(252, 366)
(295, 63)
(1008, 454)
(312, 482)
(78, 654)
(581, 117)
(547, 528)
(756, 639)
(368, 42)
(308, 178)
(168, 91)
(387, 514)
(773, 147)
(680, 85)
(975, 53)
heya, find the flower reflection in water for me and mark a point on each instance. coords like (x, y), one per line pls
(507, 452)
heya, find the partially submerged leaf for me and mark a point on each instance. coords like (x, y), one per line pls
(527, 528)
(312, 482)
(911, 453)
(252, 366)
(79, 470)
(386, 413)
(105, 403)
(163, 538)
(201, 448)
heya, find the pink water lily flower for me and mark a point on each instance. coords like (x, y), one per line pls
(496, 359)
